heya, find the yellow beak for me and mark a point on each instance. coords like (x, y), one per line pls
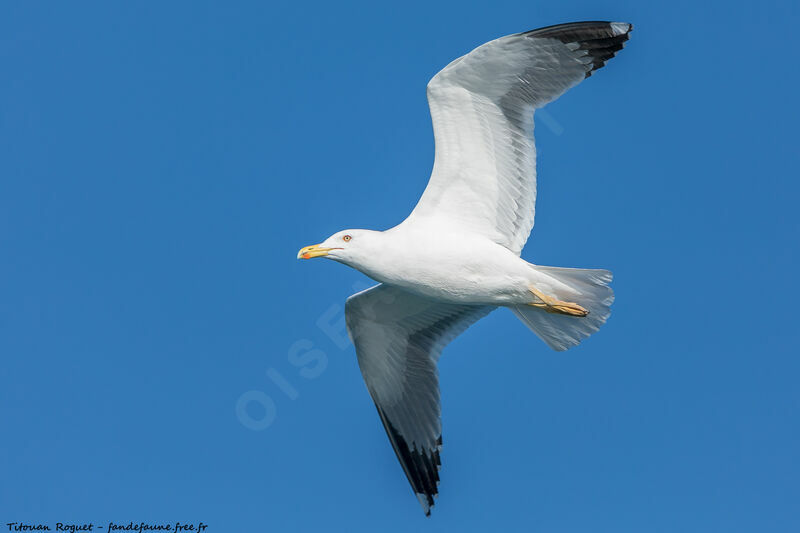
(315, 250)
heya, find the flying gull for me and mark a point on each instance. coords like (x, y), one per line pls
(457, 256)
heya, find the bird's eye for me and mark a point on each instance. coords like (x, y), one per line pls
(346, 238)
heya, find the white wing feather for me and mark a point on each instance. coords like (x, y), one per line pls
(482, 104)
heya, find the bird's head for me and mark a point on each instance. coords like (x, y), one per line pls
(350, 246)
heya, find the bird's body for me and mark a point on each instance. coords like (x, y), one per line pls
(457, 255)
(450, 266)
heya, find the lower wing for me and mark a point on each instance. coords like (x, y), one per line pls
(398, 338)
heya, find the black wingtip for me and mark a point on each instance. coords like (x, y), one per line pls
(421, 467)
(601, 40)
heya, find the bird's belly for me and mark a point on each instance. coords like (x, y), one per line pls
(478, 290)
(493, 277)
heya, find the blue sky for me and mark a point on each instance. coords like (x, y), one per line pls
(161, 163)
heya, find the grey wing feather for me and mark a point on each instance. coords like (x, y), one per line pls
(399, 337)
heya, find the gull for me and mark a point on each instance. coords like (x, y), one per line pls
(456, 257)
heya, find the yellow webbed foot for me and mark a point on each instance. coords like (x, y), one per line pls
(552, 305)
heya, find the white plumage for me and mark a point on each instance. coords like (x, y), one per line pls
(456, 257)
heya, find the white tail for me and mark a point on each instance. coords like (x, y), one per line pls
(588, 288)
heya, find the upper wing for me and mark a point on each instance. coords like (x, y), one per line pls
(398, 338)
(484, 175)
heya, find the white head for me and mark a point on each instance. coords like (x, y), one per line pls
(351, 246)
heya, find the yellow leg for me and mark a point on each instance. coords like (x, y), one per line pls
(551, 305)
